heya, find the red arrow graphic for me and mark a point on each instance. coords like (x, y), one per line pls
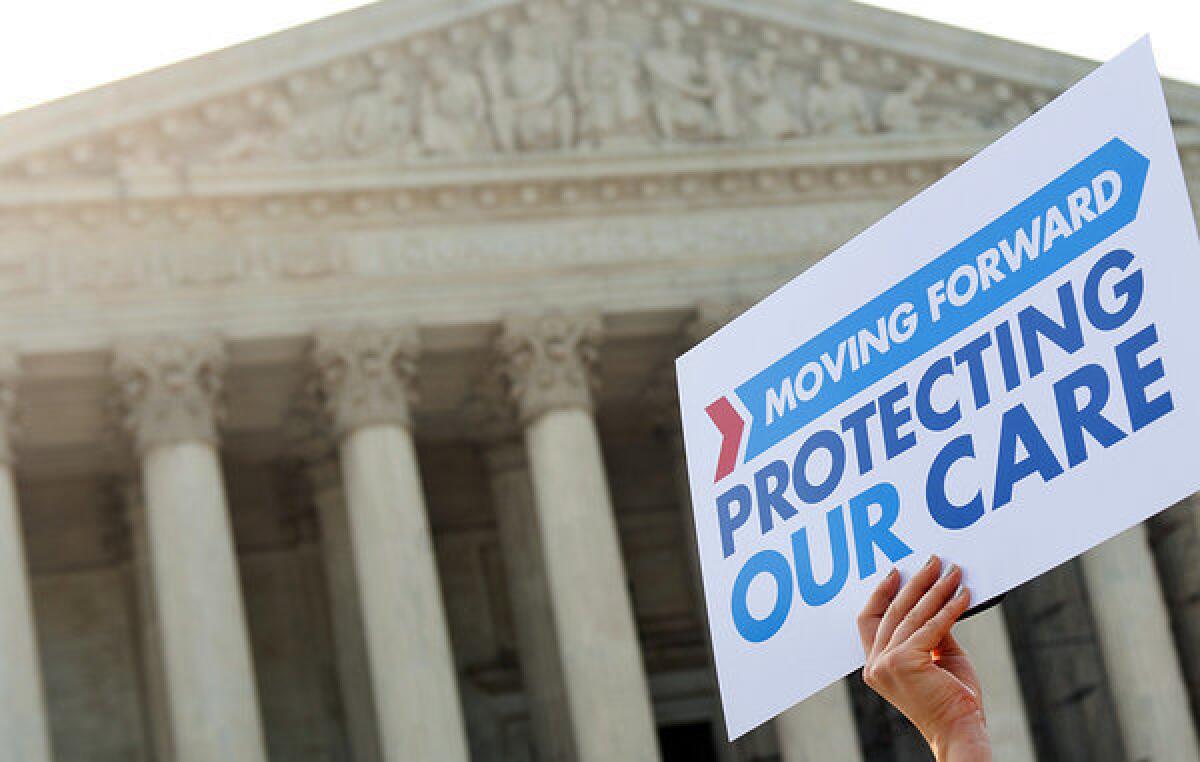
(731, 425)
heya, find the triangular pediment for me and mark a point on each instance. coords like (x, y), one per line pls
(404, 85)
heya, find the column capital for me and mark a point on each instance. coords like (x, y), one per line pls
(367, 374)
(548, 360)
(168, 389)
(10, 374)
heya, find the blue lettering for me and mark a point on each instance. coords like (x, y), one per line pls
(944, 512)
(1034, 323)
(728, 521)
(971, 354)
(1075, 419)
(1129, 289)
(891, 419)
(770, 496)
(935, 420)
(1136, 377)
(763, 562)
(1017, 427)
(856, 424)
(815, 493)
(868, 535)
(814, 593)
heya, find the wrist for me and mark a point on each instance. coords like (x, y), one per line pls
(962, 745)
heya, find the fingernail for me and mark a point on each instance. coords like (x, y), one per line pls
(930, 562)
(953, 568)
(891, 575)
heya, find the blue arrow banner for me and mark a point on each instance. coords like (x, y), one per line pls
(1057, 224)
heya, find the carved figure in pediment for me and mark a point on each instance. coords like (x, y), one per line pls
(678, 86)
(901, 112)
(837, 106)
(453, 111)
(768, 114)
(379, 120)
(724, 103)
(955, 120)
(604, 75)
(279, 134)
(530, 105)
(908, 111)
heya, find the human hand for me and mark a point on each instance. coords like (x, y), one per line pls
(915, 663)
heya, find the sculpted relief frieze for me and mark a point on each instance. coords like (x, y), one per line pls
(561, 76)
(577, 113)
(191, 262)
(199, 262)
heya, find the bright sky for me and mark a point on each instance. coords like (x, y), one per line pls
(1095, 29)
(52, 48)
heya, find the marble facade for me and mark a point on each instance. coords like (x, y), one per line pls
(336, 418)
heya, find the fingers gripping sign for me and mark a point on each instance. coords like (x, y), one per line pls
(914, 662)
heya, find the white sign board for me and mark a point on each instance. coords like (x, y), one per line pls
(1004, 371)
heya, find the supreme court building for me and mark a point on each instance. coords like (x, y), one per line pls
(337, 388)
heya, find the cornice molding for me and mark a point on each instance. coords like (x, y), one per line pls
(103, 213)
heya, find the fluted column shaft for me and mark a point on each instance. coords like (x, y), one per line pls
(1175, 539)
(24, 728)
(154, 680)
(1139, 655)
(533, 615)
(820, 727)
(547, 361)
(985, 639)
(350, 647)
(366, 376)
(170, 390)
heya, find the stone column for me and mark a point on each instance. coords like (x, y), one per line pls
(366, 378)
(153, 678)
(547, 361)
(1175, 538)
(350, 646)
(821, 727)
(169, 389)
(1135, 638)
(985, 638)
(533, 617)
(24, 729)
(743, 748)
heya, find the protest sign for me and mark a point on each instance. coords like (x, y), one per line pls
(1004, 371)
